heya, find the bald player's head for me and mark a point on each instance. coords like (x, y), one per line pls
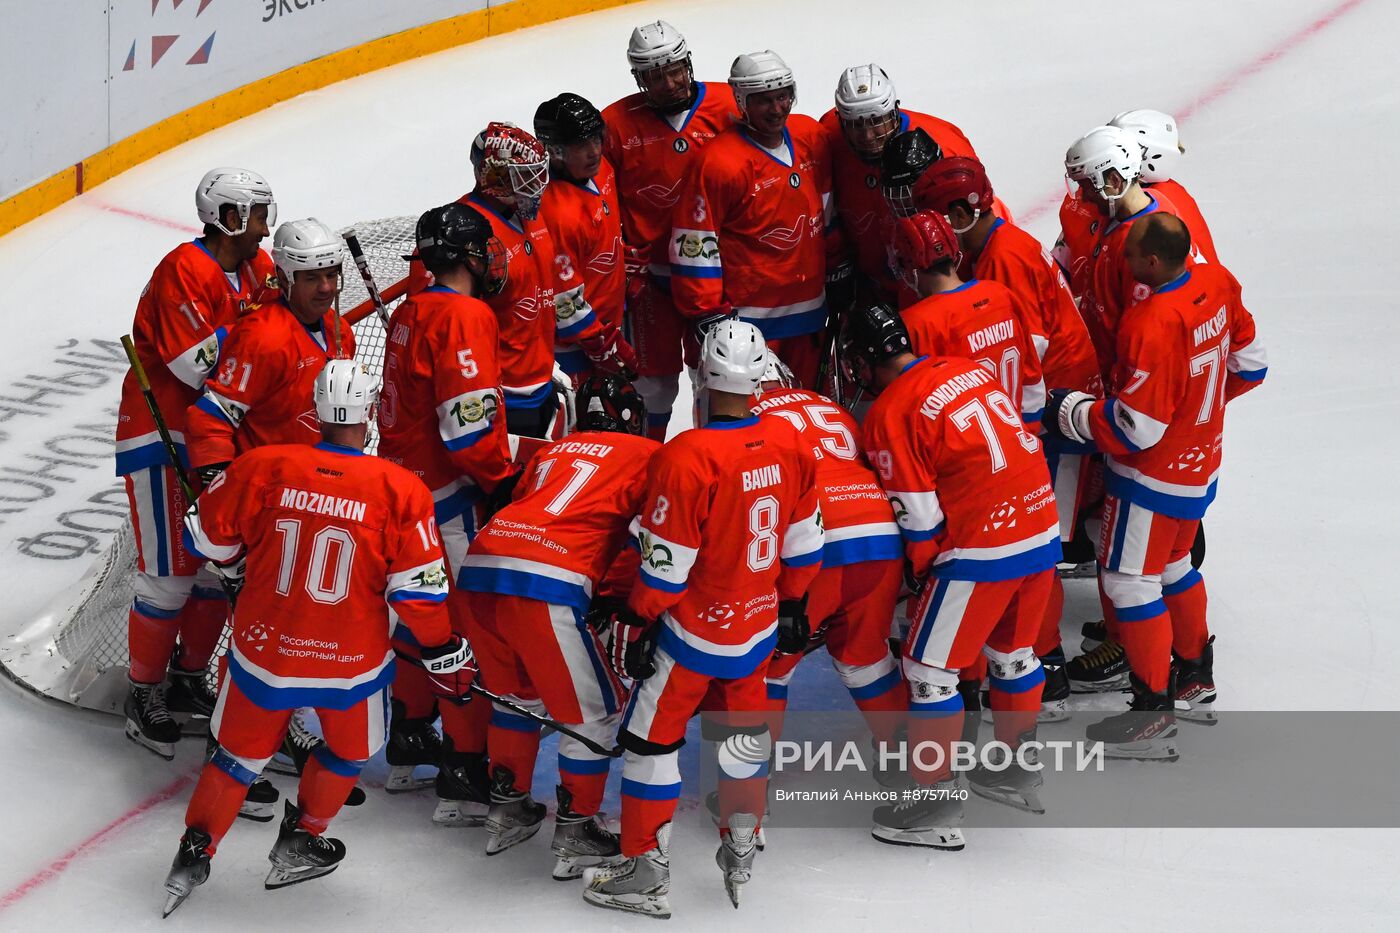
(1156, 249)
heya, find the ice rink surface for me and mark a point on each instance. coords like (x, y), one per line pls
(1290, 113)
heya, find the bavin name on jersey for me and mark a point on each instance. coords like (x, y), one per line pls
(762, 477)
(949, 390)
(319, 503)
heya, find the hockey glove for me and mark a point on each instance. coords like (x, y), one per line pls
(1067, 415)
(608, 352)
(451, 668)
(794, 629)
(632, 644)
(703, 324)
(210, 472)
(500, 497)
(636, 260)
(600, 612)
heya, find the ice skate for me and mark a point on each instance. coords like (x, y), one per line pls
(927, 817)
(1103, 670)
(1013, 786)
(1195, 687)
(1068, 570)
(298, 855)
(639, 885)
(1054, 695)
(736, 852)
(463, 788)
(260, 805)
(189, 870)
(190, 693)
(1093, 635)
(412, 743)
(712, 805)
(579, 841)
(297, 747)
(514, 815)
(1145, 733)
(148, 720)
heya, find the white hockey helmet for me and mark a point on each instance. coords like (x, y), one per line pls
(733, 358)
(1099, 151)
(776, 371)
(306, 244)
(236, 186)
(654, 45)
(345, 393)
(865, 92)
(754, 72)
(1157, 134)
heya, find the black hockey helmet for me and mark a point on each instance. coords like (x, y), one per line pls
(567, 119)
(872, 334)
(610, 403)
(906, 157)
(452, 234)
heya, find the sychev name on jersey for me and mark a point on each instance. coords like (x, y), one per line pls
(586, 225)
(566, 530)
(440, 411)
(653, 155)
(968, 483)
(729, 525)
(865, 215)
(1016, 259)
(329, 541)
(768, 221)
(1080, 224)
(260, 393)
(182, 319)
(1182, 354)
(982, 321)
(857, 520)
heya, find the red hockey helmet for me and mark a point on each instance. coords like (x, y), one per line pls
(923, 241)
(955, 179)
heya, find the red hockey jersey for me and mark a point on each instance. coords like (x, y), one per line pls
(331, 534)
(586, 225)
(1081, 224)
(262, 391)
(1182, 354)
(440, 413)
(1016, 259)
(754, 229)
(181, 321)
(653, 155)
(968, 483)
(982, 321)
(858, 523)
(729, 525)
(568, 524)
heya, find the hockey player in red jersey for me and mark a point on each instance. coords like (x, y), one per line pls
(260, 394)
(755, 226)
(972, 497)
(442, 419)
(329, 535)
(195, 294)
(580, 208)
(653, 142)
(980, 320)
(852, 600)
(730, 537)
(1182, 355)
(533, 573)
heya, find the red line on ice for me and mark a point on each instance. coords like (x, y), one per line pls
(148, 218)
(1225, 85)
(97, 839)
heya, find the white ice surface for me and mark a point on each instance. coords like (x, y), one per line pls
(1290, 162)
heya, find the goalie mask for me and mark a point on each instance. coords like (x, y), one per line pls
(511, 166)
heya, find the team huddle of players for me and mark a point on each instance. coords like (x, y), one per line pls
(900, 398)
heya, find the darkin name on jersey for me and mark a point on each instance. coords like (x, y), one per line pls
(951, 389)
(761, 477)
(321, 504)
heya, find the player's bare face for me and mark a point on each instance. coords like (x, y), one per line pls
(767, 112)
(1143, 267)
(667, 88)
(582, 159)
(251, 238)
(313, 292)
(1090, 195)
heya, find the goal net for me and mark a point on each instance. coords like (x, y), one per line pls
(76, 651)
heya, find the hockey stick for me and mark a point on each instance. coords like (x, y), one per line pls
(161, 429)
(357, 252)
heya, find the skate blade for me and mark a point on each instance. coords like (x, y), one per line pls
(502, 838)
(1153, 750)
(573, 867)
(402, 781)
(281, 764)
(173, 901)
(647, 905)
(946, 838)
(1028, 801)
(279, 877)
(1054, 711)
(1082, 571)
(164, 750)
(460, 813)
(1111, 685)
(258, 812)
(732, 887)
(1201, 715)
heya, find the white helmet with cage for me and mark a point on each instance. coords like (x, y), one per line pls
(754, 72)
(865, 92)
(306, 244)
(345, 393)
(733, 358)
(238, 187)
(1157, 134)
(655, 45)
(777, 372)
(1100, 151)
